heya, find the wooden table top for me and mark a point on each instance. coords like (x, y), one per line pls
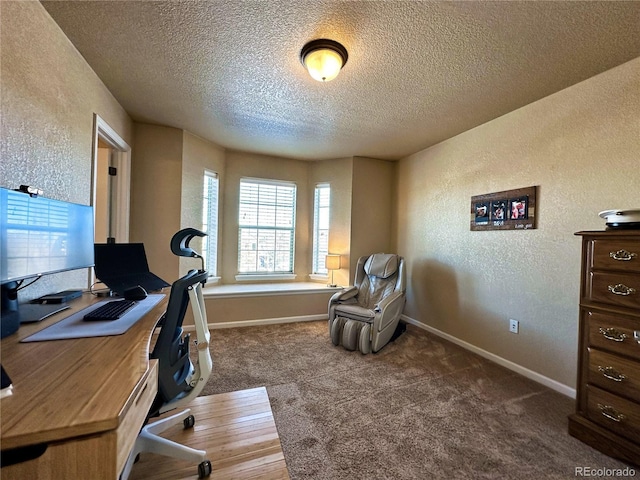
(66, 388)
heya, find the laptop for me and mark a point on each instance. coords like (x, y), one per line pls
(124, 265)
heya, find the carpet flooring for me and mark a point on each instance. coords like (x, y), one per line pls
(421, 408)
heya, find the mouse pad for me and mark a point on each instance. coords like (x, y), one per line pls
(75, 327)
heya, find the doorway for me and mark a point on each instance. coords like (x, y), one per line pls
(111, 179)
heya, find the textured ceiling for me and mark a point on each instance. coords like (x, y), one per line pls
(418, 72)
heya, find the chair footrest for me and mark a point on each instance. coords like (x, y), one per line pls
(351, 334)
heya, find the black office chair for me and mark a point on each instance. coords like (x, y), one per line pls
(179, 380)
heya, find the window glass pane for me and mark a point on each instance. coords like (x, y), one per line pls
(248, 262)
(284, 241)
(266, 215)
(267, 221)
(210, 221)
(248, 214)
(321, 216)
(248, 239)
(284, 217)
(266, 240)
(282, 261)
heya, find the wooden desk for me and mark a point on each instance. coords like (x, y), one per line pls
(86, 399)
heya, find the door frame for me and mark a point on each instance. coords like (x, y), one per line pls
(121, 159)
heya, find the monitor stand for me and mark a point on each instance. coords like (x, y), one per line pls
(33, 312)
(9, 317)
(13, 313)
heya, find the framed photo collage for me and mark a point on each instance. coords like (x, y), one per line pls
(508, 210)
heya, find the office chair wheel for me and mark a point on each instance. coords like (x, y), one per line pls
(204, 469)
(189, 422)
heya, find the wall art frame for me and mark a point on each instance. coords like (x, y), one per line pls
(507, 210)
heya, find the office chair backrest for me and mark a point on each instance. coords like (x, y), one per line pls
(175, 369)
(171, 349)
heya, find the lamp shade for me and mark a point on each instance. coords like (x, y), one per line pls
(332, 262)
(323, 59)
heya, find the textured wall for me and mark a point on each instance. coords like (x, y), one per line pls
(372, 202)
(198, 155)
(581, 147)
(240, 165)
(220, 310)
(338, 173)
(156, 190)
(48, 97)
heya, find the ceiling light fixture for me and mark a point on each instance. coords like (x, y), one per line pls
(323, 59)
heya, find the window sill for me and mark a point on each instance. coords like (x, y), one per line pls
(319, 277)
(271, 277)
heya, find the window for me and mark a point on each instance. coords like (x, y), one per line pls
(210, 222)
(266, 219)
(321, 208)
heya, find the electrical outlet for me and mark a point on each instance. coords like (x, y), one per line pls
(514, 325)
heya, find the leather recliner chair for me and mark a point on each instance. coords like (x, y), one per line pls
(365, 316)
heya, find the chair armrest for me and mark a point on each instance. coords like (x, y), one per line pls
(386, 301)
(388, 309)
(345, 294)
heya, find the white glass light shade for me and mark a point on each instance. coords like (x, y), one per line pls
(323, 58)
(323, 64)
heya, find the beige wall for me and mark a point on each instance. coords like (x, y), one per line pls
(168, 165)
(338, 174)
(198, 155)
(167, 169)
(240, 164)
(372, 206)
(580, 146)
(245, 308)
(156, 191)
(49, 98)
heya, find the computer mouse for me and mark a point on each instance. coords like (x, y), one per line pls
(135, 293)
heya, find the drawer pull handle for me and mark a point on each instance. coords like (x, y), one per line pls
(139, 397)
(611, 374)
(621, 289)
(611, 413)
(622, 255)
(612, 334)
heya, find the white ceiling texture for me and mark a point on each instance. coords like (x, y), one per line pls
(418, 72)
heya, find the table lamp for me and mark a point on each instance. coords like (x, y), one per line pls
(332, 262)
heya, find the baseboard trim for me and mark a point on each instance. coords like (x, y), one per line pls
(530, 374)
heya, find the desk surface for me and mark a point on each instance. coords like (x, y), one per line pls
(68, 388)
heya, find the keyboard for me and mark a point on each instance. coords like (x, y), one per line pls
(111, 310)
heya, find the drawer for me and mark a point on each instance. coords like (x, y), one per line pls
(615, 374)
(135, 415)
(621, 255)
(619, 289)
(614, 333)
(614, 413)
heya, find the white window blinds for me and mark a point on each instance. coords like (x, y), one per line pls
(321, 210)
(266, 218)
(210, 222)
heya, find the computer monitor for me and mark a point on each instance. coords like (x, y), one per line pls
(39, 236)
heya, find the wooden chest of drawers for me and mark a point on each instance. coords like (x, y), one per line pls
(607, 413)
